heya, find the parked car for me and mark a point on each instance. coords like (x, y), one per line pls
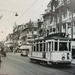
(25, 50)
(24, 53)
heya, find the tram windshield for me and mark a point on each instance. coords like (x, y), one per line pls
(63, 46)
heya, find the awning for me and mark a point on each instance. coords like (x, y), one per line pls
(24, 47)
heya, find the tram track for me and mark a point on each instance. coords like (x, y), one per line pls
(29, 70)
(62, 69)
(42, 69)
(68, 69)
(46, 68)
(21, 68)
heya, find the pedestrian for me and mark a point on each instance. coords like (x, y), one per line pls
(0, 56)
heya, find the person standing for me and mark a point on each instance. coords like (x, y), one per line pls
(0, 56)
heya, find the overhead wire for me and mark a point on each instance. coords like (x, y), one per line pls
(26, 11)
(22, 14)
(7, 11)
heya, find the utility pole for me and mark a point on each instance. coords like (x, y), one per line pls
(60, 18)
(72, 27)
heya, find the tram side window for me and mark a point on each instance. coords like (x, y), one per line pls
(34, 47)
(56, 46)
(49, 46)
(37, 47)
(40, 47)
(52, 46)
(69, 46)
(63, 46)
(44, 47)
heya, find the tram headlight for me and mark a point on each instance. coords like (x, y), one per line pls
(63, 57)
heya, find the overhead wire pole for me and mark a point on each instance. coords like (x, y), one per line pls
(60, 23)
(72, 26)
(72, 9)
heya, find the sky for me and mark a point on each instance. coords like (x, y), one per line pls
(26, 10)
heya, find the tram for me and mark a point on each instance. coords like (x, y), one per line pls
(53, 49)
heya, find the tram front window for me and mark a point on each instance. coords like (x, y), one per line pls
(63, 46)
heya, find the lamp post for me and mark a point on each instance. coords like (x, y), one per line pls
(9, 11)
(16, 14)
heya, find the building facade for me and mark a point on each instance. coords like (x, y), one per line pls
(28, 33)
(58, 17)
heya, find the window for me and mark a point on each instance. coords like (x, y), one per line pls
(56, 46)
(46, 46)
(63, 46)
(49, 46)
(43, 46)
(52, 46)
(47, 32)
(65, 13)
(40, 47)
(37, 47)
(53, 29)
(69, 46)
(34, 47)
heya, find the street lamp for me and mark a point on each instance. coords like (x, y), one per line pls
(16, 14)
(8, 11)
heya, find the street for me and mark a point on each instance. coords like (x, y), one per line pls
(14, 64)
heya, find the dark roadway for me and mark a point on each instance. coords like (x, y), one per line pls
(14, 64)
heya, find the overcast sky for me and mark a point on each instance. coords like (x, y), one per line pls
(8, 8)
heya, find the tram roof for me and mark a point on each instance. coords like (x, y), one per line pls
(56, 36)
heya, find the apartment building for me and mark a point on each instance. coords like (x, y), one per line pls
(58, 17)
(28, 33)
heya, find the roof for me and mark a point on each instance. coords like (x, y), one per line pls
(24, 47)
(55, 36)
